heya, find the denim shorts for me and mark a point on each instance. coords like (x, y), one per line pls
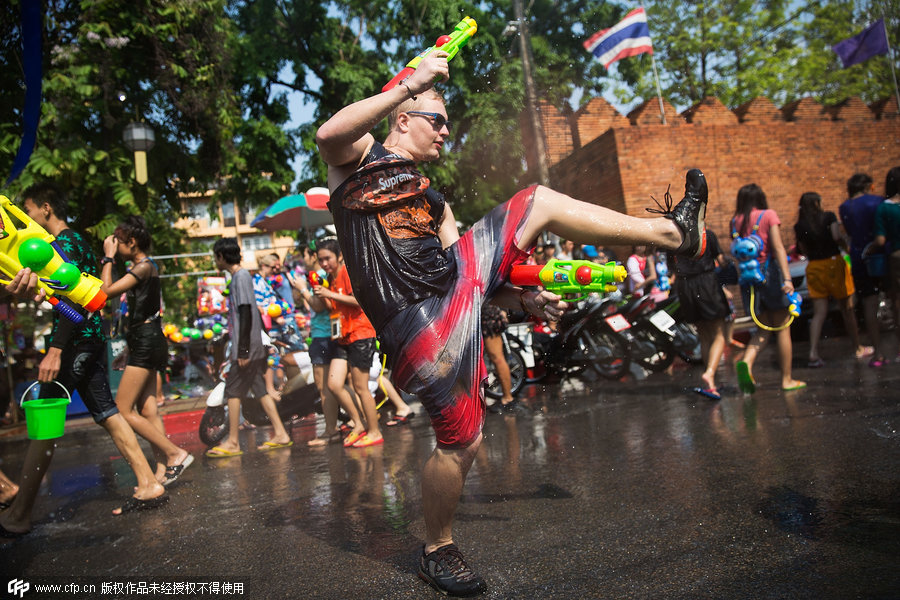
(321, 350)
(83, 368)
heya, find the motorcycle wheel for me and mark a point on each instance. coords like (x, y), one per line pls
(651, 351)
(517, 375)
(607, 352)
(213, 425)
(687, 343)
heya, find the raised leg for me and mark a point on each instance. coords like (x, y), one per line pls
(682, 229)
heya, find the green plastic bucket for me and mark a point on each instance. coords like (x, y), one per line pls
(45, 418)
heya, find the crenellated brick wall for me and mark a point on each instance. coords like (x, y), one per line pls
(618, 161)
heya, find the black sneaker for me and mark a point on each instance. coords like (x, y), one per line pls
(447, 571)
(689, 214)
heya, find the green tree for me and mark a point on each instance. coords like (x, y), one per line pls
(345, 50)
(176, 66)
(738, 50)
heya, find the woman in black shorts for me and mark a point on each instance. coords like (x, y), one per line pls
(704, 304)
(147, 349)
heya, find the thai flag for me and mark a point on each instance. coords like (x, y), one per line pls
(630, 37)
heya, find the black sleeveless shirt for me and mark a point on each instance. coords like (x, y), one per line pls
(144, 298)
(387, 219)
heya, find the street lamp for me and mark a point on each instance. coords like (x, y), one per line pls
(139, 138)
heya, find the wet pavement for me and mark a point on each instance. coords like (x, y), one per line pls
(636, 489)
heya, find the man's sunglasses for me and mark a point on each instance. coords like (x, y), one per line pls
(438, 120)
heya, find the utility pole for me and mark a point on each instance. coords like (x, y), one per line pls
(537, 129)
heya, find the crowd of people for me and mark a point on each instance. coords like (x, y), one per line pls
(399, 281)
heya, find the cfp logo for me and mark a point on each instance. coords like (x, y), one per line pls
(17, 587)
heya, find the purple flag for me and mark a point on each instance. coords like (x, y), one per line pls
(863, 46)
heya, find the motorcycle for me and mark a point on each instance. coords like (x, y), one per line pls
(687, 339)
(516, 354)
(648, 330)
(582, 344)
(654, 336)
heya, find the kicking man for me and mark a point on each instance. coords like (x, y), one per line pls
(422, 285)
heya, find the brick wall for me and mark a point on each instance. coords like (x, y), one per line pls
(618, 161)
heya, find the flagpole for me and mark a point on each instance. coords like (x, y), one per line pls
(662, 111)
(890, 57)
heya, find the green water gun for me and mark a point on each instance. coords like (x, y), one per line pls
(570, 276)
(450, 44)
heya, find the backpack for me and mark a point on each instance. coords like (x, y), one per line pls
(746, 250)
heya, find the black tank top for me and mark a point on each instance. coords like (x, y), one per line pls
(387, 219)
(144, 298)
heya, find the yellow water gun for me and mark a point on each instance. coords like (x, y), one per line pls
(29, 245)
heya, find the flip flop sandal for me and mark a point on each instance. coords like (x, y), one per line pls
(352, 438)
(274, 445)
(325, 440)
(365, 441)
(220, 452)
(710, 393)
(400, 420)
(745, 379)
(791, 388)
(136, 504)
(175, 471)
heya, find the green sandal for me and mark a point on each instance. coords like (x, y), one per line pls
(745, 379)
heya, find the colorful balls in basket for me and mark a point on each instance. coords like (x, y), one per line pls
(176, 336)
(169, 329)
(208, 334)
(217, 328)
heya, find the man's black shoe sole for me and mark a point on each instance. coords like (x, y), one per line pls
(476, 592)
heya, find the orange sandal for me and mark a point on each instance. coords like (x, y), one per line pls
(352, 437)
(365, 441)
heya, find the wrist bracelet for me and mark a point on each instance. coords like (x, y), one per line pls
(106, 261)
(409, 91)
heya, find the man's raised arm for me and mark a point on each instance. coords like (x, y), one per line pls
(345, 137)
